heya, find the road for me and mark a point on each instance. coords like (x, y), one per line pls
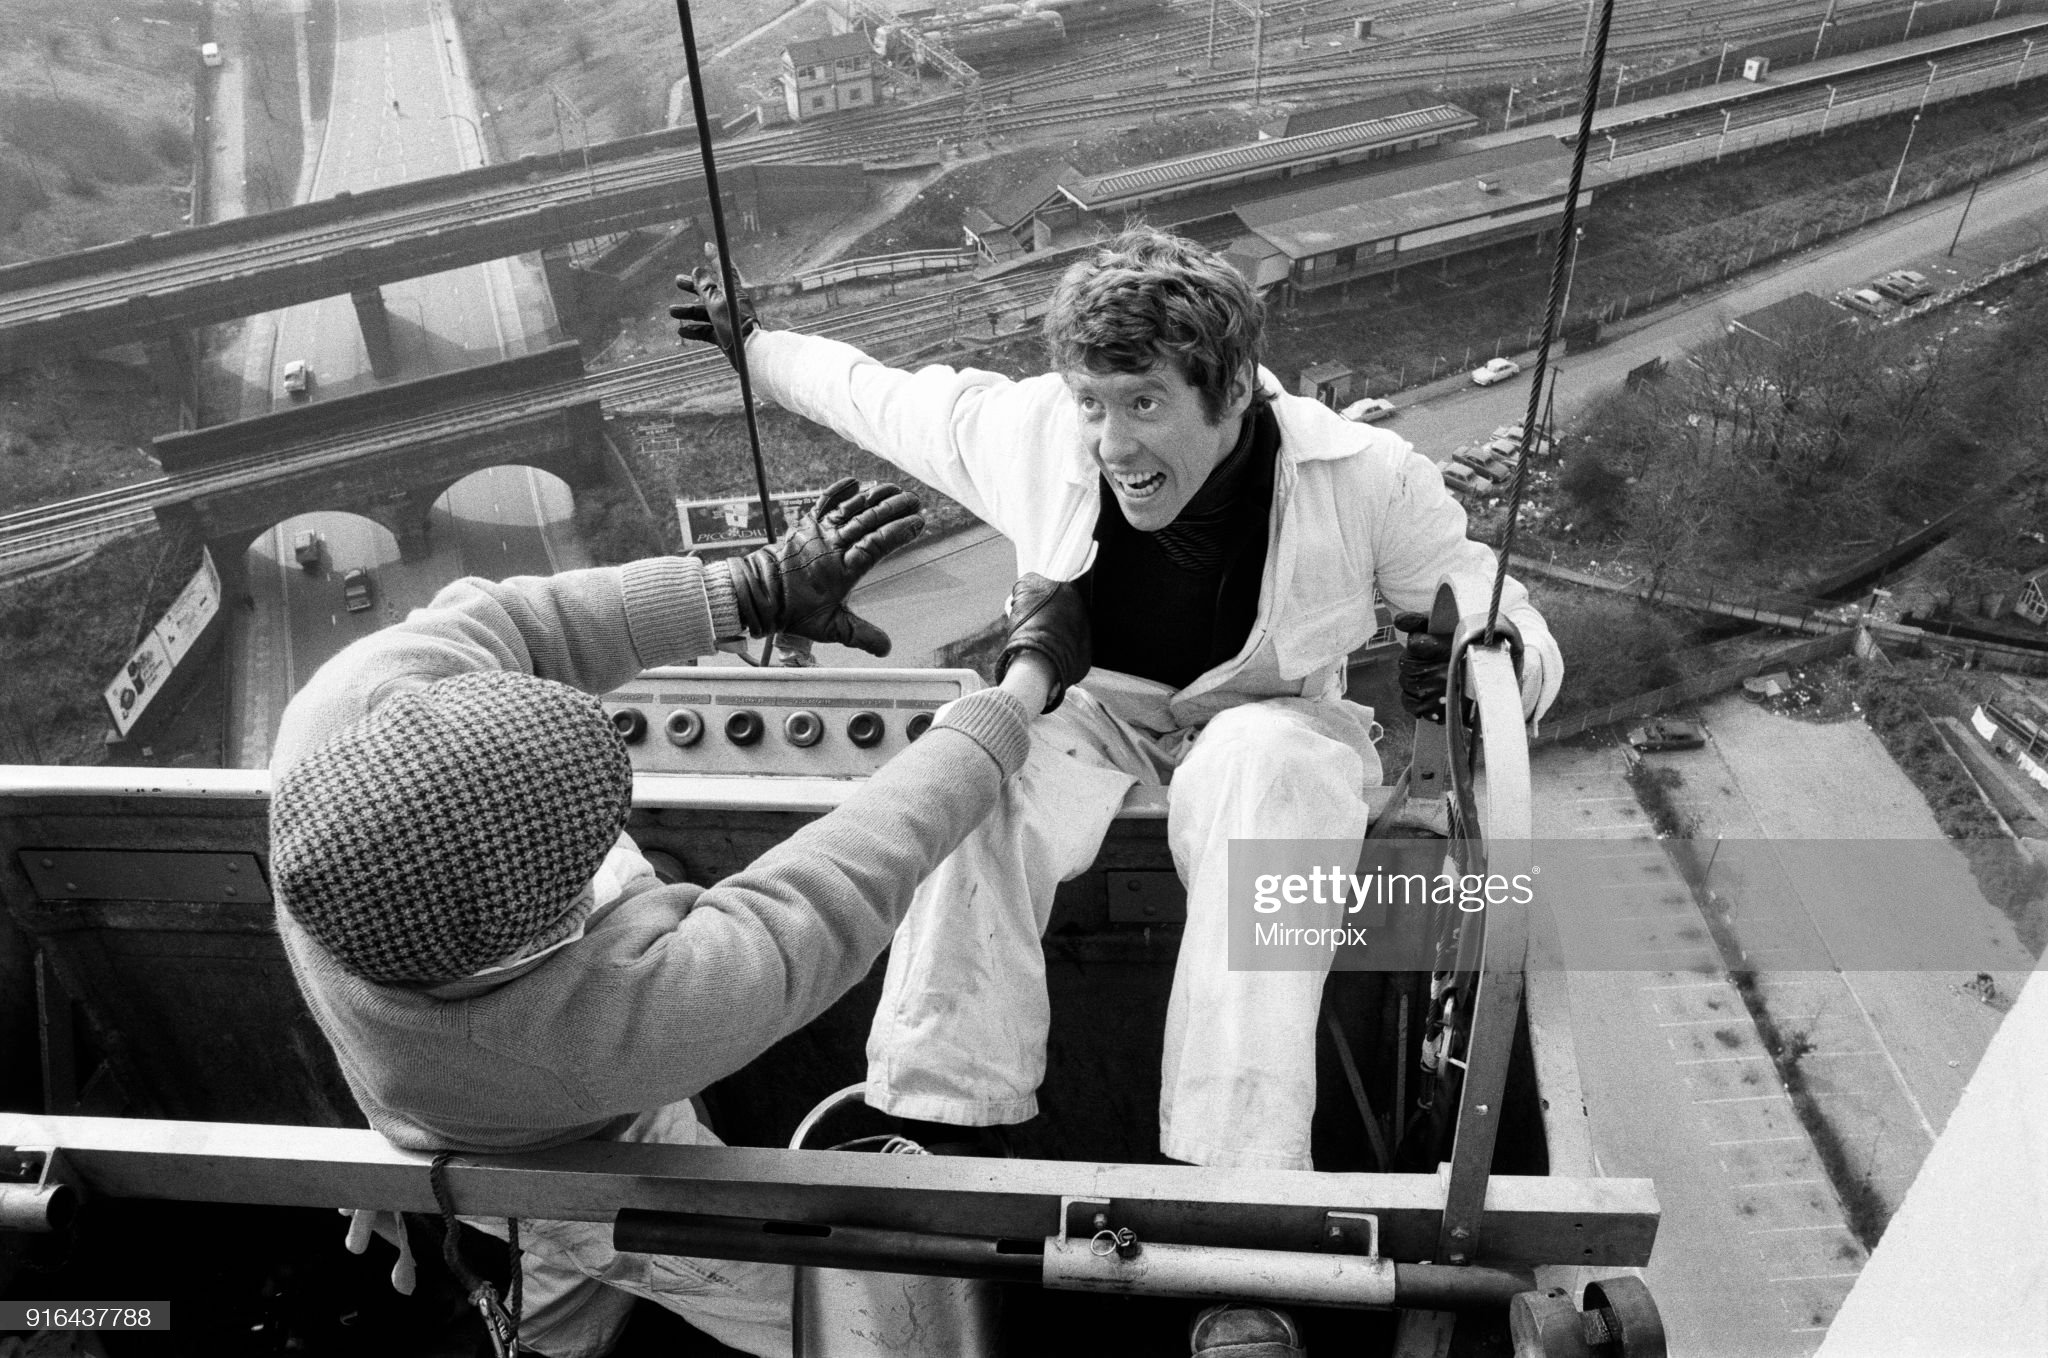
(402, 107)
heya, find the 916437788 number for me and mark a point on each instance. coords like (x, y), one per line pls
(84, 1315)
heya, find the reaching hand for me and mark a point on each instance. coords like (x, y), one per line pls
(799, 585)
(704, 316)
(1049, 618)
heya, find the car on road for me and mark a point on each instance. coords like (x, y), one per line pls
(298, 378)
(1460, 477)
(1667, 734)
(1366, 411)
(306, 550)
(1866, 301)
(209, 54)
(1904, 285)
(1496, 370)
(356, 590)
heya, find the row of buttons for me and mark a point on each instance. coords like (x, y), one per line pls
(685, 727)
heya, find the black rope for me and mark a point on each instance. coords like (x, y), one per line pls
(481, 1294)
(1551, 318)
(726, 279)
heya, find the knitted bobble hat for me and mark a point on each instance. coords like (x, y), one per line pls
(451, 826)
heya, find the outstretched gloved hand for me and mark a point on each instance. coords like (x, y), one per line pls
(703, 315)
(1049, 618)
(799, 585)
(1424, 669)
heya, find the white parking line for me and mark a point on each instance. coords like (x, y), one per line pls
(1714, 1060)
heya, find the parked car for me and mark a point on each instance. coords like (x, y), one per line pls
(306, 550)
(1488, 465)
(1904, 285)
(1496, 370)
(1865, 301)
(209, 54)
(298, 378)
(1370, 409)
(1667, 734)
(356, 590)
(1460, 477)
(1513, 434)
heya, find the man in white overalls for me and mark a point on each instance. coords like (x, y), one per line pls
(1228, 537)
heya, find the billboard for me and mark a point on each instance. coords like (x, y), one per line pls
(736, 521)
(149, 670)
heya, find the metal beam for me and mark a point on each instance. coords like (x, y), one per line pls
(1529, 1220)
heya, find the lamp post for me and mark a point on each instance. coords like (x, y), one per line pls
(1909, 19)
(1928, 88)
(1619, 71)
(1586, 38)
(1822, 32)
(1964, 218)
(1722, 145)
(1723, 62)
(563, 101)
(1910, 130)
(1829, 111)
(1509, 116)
(1571, 272)
(2023, 63)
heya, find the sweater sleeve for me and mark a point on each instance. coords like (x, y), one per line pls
(593, 629)
(662, 1007)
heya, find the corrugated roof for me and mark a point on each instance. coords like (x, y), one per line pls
(1103, 190)
(1443, 190)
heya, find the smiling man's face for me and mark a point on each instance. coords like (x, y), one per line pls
(1151, 438)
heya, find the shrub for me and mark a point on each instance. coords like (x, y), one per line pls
(1597, 492)
(1614, 648)
(170, 144)
(21, 193)
(76, 133)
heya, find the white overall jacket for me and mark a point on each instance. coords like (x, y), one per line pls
(1353, 505)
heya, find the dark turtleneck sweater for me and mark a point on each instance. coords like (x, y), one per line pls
(1174, 604)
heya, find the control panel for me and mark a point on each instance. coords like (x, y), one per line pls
(815, 723)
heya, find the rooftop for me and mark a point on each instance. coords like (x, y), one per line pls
(1443, 189)
(822, 51)
(1143, 181)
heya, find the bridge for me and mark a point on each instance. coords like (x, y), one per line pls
(162, 286)
(387, 455)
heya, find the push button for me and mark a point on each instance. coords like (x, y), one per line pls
(685, 727)
(803, 729)
(865, 729)
(744, 727)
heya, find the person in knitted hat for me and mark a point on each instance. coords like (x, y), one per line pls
(496, 966)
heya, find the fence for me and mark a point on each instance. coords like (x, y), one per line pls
(1773, 608)
(1705, 685)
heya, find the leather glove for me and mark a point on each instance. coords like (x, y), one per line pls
(704, 317)
(799, 585)
(1049, 617)
(1424, 669)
